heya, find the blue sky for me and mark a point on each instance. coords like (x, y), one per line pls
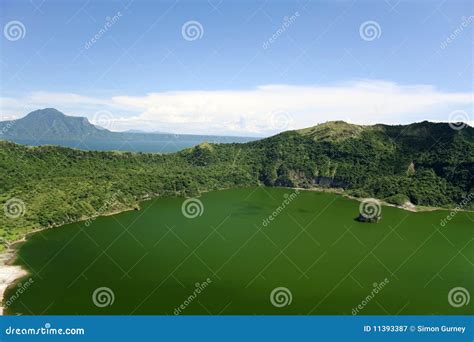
(235, 78)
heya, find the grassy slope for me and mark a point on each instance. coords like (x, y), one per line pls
(430, 164)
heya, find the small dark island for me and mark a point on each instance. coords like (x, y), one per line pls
(369, 219)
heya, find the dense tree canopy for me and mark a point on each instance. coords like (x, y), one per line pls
(428, 164)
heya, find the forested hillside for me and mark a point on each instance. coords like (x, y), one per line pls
(426, 163)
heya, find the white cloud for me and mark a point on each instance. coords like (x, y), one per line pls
(266, 109)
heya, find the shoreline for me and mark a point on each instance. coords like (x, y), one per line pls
(407, 206)
(9, 274)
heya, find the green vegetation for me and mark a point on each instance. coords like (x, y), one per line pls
(429, 164)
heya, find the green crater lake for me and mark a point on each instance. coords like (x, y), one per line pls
(226, 261)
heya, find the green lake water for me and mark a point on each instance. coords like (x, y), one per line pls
(151, 260)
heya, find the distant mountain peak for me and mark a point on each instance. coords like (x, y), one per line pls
(338, 131)
(49, 126)
(333, 131)
(50, 123)
(46, 112)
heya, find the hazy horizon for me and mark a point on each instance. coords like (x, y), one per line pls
(238, 69)
(145, 131)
